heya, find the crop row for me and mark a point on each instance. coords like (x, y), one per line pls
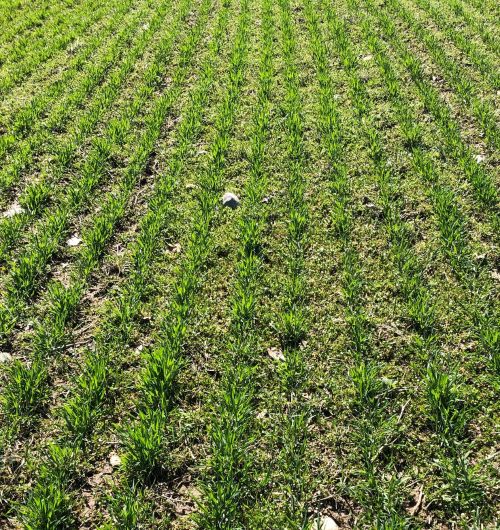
(457, 76)
(293, 317)
(27, 270)
(32, 114)
(479, 60)
(39, 193)
(226, 484)
(82, 20)
(82, 411)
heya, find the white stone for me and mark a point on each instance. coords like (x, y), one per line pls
(276, 354)
(73, 241)
(115, 460)
(13, 210)
(324, 523)
(230, 200)
(5, 357)
(175, 248)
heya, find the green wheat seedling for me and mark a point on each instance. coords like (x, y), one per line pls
(83, 19)
(52, 331)
(49, 507)
(127, 507)
(228, 485)
(25, 393)
(144, 444)
(479, 60)
(42, 138)
(483, 112)
(29, 267)
(83, 410)
(450, 415)
(446, 408)
(375, 426)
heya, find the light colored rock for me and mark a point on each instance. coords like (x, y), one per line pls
(73, 241)
(175, 248)
(13, 210)
(276, 354)
(115, 460)
(480, 159)
(230, 200)
(368, 57)
(324, 523)
(5, 357)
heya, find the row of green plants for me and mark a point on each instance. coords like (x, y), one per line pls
(28, 269)
(489, 7)
(51, 500)
(19, 22)
(479, 60)
(42, 192)
(50, 333)
(16, 47)
(144, 447)
(228, 489)
(451, 222)
(460, 483)
(83, 20)
(482, 182)
(293, 319)
(35, 113)
(148, 436)
(476, 24)
(378, 489)
(466, 89)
